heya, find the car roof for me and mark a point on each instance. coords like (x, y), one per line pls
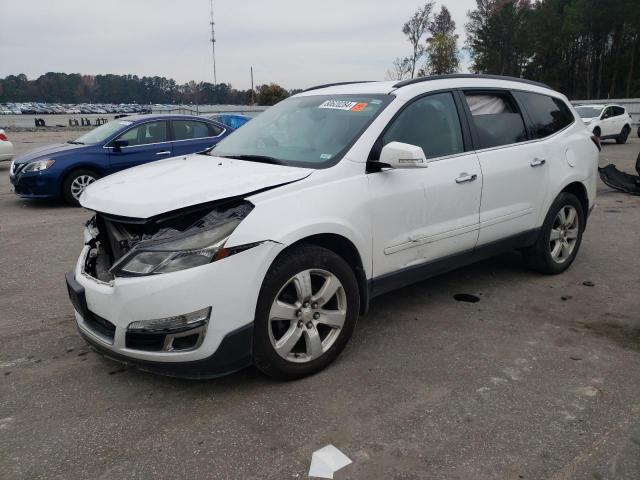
(160, 116)
(435, 82)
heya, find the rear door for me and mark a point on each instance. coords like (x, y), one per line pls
(608, 123)
(144, 143)
(192, 136)
(514, 170)
(423, 214)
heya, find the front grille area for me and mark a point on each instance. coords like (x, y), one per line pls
(101, 326)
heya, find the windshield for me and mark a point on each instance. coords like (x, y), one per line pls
(311, 132)
(588, 112)
(100, 134)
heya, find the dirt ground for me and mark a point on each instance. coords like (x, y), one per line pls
(538, 380)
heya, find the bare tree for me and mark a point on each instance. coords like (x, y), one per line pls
(415, 29)
(400, 69)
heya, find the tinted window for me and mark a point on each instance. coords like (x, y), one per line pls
(548, 115)
(618, 111)
(497, 119)
(431, 123)
(189, 129)
(153, 132)
(608, 112)
(214, 130)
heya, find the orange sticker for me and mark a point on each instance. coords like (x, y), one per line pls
(359, 107)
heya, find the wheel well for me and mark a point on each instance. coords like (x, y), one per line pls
(348, 251)
(579, 190)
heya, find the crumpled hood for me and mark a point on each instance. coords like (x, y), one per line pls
(48, 152)
(174, 183)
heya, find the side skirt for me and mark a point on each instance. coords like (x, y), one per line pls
(416, 273)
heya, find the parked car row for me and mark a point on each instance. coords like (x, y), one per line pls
(36, 108)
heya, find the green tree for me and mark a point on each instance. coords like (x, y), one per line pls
(442, 47)
(271, 94)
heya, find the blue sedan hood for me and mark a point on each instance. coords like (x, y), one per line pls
(48, 152)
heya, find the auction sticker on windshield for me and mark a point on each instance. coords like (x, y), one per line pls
(338, 104)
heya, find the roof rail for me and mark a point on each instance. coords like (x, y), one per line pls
(337, 84)
(404, 83)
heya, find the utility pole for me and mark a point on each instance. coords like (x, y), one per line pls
(213, 47)
(252, 92)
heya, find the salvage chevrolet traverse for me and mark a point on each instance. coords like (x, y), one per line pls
(266, 250)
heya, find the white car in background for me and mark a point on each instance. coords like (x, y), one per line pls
(266, 249)
(607, 121)
(6, 147)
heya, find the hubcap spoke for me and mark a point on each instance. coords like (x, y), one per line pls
(302, 282)
(555, 235)
(332, 318)
(288, 340)
(566, 249)
(573, 233)
(327, 291)
(571, 218)
(314, 343)
(282, 311)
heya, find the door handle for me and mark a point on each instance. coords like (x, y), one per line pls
(164, 152)
(536, 162)
(465, 177)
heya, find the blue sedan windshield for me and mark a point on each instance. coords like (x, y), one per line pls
(100, 134)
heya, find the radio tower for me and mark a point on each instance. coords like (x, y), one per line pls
(213, 46)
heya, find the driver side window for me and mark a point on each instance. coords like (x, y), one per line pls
(153, 132)
(430, 122)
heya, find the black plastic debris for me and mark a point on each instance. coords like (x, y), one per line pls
(588, 283)
(621, 181)
(466, 297)
(566, 297)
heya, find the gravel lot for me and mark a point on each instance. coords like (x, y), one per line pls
(539, 380)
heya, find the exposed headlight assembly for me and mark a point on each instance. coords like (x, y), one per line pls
(198, 245)
(38, 165)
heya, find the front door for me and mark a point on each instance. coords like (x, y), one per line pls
(144, 143)
(426, 213)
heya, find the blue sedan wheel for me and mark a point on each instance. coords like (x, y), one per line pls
(75, 183)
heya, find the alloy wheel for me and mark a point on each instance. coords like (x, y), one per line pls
(564, 234)
(79, 184)
(307, 315)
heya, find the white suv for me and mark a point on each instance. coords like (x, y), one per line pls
(268, 248)
(606, 121)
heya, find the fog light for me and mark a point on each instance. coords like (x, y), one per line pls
(169, 324)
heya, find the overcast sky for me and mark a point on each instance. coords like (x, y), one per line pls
(295, 43)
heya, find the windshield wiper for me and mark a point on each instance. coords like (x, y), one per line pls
(75, 142)
(255, 158)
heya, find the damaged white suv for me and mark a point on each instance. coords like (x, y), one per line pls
(267, 249)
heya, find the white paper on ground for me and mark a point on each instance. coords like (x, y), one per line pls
(326, 461)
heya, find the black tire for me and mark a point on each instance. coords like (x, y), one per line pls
(539, 256)
(624, 135)
(287, 265)
(67, 193)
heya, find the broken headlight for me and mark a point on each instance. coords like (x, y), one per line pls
(200, 244)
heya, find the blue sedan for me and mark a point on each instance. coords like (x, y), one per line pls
(65, 170)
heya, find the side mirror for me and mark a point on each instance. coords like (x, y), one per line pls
(118, 144)
(403, 155)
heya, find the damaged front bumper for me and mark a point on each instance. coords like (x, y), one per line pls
(187, 343)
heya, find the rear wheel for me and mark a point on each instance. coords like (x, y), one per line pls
(560, 237)
(624, 135)
(75, 183)
(306, 313)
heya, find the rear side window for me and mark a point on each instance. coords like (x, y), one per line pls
(496, 118)
(214, 130)
(617, 111)
(189, 129)
(430, 122)
(548, 115)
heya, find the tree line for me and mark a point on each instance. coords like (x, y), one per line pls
(54, 87)
(583, 48)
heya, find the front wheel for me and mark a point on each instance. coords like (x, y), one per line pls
(75, 183)
(560, 237)
(306, 312)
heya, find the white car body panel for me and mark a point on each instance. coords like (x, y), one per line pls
(395, 219)
(174, 183)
